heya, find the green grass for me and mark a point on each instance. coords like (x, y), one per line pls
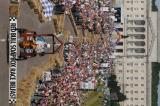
(155, 81)
(94, 99)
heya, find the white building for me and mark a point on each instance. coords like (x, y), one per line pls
(131, 62)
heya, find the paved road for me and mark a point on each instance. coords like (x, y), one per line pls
(68, 26)
(3, 60)
(26, 20)
(30, 21)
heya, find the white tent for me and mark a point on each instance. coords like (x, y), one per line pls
(46, 76)
(113, 18)
(113, 10)
(104, 65)
(89, 84)
(104, 9)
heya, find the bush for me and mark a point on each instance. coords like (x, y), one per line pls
(121, 97)
(154, 7)
(114, 88)
(155, 82)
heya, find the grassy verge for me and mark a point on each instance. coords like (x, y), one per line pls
(94, 99)
(27, 86)
(155, 81)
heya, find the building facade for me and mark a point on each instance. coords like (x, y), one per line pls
(131, 61)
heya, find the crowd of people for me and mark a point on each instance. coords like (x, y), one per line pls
(80, 62)
(64, 87)
(92, 15)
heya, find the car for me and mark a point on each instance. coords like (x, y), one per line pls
(31, 44)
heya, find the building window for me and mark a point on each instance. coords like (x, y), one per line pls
(136, 78)
(142, 91)
(136, 15)
(139, 22)
(136, 64)
(120, 43)
(136, 1)
(135, 91)
(142, 84)
(135, 84)
(119, 50)
(130, 64)
(136, 9)
(139, 50)
(142, 1)
(120, 71)
(142, 15)
(139, 29)
(127, 84)
(142, 8)
(142, 98)
(120, 64)
(139, 36)
(131, 99)
(139, 43)
(142, 64)
(136, 71)
(142, 78)
(135, 98)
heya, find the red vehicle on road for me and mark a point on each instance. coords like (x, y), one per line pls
(31, 44)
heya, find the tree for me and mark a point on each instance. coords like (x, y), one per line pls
(121, 97)
(114, 103)
(114, 88)
(112, 77)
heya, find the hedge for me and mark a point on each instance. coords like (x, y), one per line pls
(155, 82)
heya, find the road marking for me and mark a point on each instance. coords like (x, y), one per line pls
(3, 40)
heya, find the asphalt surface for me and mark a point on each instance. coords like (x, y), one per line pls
(29, 21)
(68, 26)
(4, 19)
